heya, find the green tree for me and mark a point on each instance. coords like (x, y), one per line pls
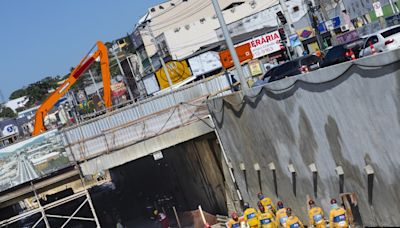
(37, 91)
(6, 112)
(18, 93)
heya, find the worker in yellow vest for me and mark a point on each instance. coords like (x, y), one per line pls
(281, 215)
(234, 222)
(316, 215)
(337, 216)
(266, 217)
(250, 216)
(266, 202)
(293, 221)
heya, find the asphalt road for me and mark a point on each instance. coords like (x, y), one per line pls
(26, 171)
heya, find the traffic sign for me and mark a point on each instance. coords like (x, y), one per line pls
(378, 9)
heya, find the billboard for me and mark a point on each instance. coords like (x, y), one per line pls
(151, 84)
(265, 44)
(178, 71)
(243, 51)
(118, 89)
(32, 159)
(347, 37)
(205, 63)
(305, 33)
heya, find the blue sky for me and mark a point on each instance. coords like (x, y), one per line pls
(45, 37)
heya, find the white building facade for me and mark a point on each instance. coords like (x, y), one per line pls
(187, 37)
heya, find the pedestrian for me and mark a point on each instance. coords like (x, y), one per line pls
(316, 215)
(250, 216)
(266, 217)
(266, 202)
(162, 219)
(281, 216)
(234, 222)
(293, 221)
(337, 216)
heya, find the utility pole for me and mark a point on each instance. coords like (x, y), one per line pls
(95, 84)
(299, 49)
(229, 43)
(161, 54)
(392, 6)
(325, 17)
(122, 72)
(314, 22)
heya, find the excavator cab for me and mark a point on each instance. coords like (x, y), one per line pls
(81, 68)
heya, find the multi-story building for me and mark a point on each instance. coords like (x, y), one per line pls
(243, 18)
(168, 21)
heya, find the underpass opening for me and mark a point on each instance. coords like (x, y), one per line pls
(186, 176)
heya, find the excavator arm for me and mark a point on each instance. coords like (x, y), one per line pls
(84, 65)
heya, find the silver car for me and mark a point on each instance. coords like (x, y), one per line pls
(384, 40)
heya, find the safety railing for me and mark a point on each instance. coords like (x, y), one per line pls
(135, 131)
(96, 126)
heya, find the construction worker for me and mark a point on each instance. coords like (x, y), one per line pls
(266, 217)
(281, 215)
(250, 216)
(293, 221)
(266, 202)
(337, 216)
(316, 215)
(234, 222)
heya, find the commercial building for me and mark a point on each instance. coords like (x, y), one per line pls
(182, 25)
(188, 38)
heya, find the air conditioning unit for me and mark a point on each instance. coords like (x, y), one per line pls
(344, 28)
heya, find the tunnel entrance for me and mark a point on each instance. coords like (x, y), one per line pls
(188, 175)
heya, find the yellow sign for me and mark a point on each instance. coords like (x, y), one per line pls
(255, 68)
(313, 47)
(178, 71)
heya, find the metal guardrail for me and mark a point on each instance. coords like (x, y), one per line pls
(138, 130)
(96, 126)
(142, 120)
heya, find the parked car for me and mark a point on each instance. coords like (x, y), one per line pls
(383, 40)
(338, 54)
(293, 67)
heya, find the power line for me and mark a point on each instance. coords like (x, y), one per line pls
(182, 17)
(167, 10)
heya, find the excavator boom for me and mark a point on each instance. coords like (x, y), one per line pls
(83, 66)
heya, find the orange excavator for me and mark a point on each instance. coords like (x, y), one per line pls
(84, 65)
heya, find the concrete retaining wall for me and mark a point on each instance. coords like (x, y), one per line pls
(346, 115)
